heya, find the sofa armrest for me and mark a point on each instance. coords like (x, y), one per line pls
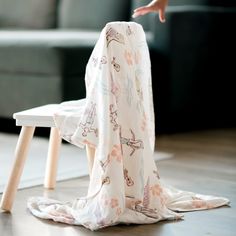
(195, 71)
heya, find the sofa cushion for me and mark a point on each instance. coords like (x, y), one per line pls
(37, 14)
(92, 14)
(45, 52)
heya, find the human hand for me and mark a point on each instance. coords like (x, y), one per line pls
(158, 6)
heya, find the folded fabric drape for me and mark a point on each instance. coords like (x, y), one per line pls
(117, 119)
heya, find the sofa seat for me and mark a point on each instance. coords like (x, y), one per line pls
(42, 51)
(43, 62)
(49, 62)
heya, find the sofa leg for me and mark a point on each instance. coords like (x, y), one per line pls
(21, 152)
(52, 159)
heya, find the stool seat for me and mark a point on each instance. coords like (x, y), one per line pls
(37, 117)
(42, 116)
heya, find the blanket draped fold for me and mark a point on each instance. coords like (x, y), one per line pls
(117, 119)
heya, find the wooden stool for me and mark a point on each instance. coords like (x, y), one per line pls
(29, 120)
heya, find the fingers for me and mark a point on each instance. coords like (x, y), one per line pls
(141, 11)
(162, 15)
(150, 8)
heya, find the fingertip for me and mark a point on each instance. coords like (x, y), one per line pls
(163, 20)
(162, 16)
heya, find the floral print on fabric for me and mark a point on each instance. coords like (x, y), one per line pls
(117, 119)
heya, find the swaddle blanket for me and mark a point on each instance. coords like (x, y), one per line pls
(117, 119)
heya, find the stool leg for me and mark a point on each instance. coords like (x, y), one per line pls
(21, 152)
(90, 155)
(52, 159)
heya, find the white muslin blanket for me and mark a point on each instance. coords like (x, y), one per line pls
(117, 119)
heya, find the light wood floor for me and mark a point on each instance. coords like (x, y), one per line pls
(204, 162)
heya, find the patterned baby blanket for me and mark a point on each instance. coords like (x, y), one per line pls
(117, 119)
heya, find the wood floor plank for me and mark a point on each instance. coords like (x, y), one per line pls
(203, 162)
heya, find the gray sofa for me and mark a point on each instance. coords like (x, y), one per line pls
(44, 48)
(45, 45)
